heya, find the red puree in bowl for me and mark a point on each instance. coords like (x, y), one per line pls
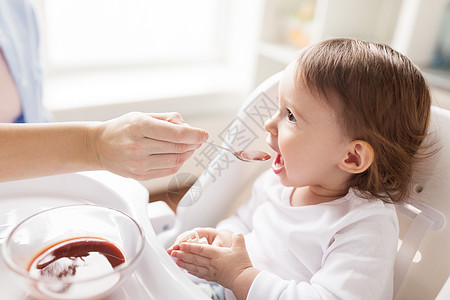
(77, 259)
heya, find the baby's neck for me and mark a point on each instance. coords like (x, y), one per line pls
(308, 195)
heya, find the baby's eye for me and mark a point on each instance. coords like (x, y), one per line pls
(290, 116)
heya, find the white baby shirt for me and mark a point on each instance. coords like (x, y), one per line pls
(343, 249)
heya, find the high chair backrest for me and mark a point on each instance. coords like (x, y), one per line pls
(423, 225)
(423, 261)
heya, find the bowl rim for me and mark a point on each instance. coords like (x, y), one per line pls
(21, 271)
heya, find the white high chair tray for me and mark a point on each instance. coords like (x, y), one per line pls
(155, 276)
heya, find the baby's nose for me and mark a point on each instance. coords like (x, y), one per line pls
(270, 126)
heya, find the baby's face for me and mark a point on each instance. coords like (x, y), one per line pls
(306, 136)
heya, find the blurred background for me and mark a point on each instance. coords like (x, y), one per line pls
(103, 58)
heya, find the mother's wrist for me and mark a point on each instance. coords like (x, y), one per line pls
(93, 144)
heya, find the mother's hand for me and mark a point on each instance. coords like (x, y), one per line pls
(145, 146)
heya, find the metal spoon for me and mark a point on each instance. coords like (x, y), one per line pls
(245, 155)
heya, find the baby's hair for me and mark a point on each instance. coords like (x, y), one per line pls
(380, 97)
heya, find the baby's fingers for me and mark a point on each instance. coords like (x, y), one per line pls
(204, 250)
(194, 268)
(191, 258)
(174, 247)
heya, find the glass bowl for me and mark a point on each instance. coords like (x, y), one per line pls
(73, 252)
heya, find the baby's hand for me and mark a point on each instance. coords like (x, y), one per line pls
(220, 264)
(214, 237)
(190, 236)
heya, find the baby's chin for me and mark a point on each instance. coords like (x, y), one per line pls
(279, 168)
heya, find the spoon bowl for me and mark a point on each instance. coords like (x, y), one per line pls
(245, 155)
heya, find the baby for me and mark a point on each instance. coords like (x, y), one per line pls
(322, 223)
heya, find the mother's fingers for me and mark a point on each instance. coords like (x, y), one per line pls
(153, 146)
(172, 117)
(165, 130)
(162, 161)
(145, 167)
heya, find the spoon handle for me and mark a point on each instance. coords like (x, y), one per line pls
(218, 146)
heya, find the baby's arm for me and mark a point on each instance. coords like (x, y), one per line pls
(229, 266)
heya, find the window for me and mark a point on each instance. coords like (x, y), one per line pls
(99, 33)
(126, 53)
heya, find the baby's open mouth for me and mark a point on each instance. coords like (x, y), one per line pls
(278, 164)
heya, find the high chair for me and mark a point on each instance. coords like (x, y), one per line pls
(423, 261)
(156, 275)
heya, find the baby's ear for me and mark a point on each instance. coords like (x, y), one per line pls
(359, 157)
